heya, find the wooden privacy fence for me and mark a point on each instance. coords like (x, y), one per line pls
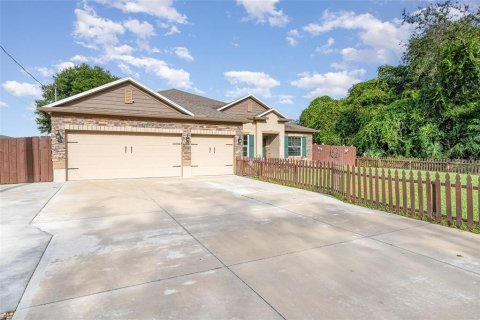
(25, 160)
(453, 198)
(458, 166)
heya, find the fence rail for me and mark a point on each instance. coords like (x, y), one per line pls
(25, 160)
(453, 198)
(458, 166)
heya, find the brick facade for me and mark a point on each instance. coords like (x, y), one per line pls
(65, 123)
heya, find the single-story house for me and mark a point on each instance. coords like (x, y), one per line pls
(123, 129)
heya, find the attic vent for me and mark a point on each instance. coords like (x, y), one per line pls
(128, 96)
(249, 106)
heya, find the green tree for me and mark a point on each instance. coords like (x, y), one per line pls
(443, 64)
(322, 114)
(70, 82)
(427, 107)
(363, 103)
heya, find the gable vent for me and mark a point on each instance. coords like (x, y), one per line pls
(128, 96)
(249, 105)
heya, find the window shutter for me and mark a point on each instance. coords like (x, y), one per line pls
(286, 146)
(251, 145)
(304, 146)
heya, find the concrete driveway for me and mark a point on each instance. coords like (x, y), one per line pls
(230, 247)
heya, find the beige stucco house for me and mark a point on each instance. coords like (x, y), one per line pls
(125, 130)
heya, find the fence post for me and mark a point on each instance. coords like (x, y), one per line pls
(438, 197)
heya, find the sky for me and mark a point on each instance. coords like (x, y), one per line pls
(284, 52)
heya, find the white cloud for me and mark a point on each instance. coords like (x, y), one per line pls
(183, 53)
(285, 99)
(64, 65)
(22, 89)
(257, 83)
(3, 104)
(118, 50)
(175, 77)
(383, 39)
(44, 71)
(334, 84)
(128, 71)
(173, 30)
(292, 37)
(102, 34)
(376, 56)
(93, 30)
(327, 47)
(142, 30)
(264, 11)
(79, 58)
(159, 8)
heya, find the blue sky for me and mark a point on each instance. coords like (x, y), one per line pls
(284, 52)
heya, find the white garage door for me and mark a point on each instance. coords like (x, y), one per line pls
(212, 155)
(111, 156)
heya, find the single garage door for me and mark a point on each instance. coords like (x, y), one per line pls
(212, 155)
(112, 156)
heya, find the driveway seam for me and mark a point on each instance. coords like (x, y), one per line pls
(120, 288)
(12, 187)
(44, 249)
(302, 215)
(208, 250)
(425, 256)
(35, 269)
(297, 251)
(43, 207)
(370, 237)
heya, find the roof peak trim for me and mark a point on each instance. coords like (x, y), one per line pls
(271, 110)
(117, 82)
(241, 99)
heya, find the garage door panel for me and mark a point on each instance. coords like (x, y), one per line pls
(212, 155)
(111, 156)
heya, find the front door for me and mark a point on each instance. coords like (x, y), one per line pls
(266, 147)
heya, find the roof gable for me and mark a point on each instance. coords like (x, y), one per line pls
(70, 101)
(238, 101)
(270, 111)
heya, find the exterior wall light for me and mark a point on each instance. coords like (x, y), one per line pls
(240, 141)
(58, 136)
(186, 138)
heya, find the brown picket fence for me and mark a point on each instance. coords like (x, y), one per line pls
(25, 160)
(432, 196)
(443, 165)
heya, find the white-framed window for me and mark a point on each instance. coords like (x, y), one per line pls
(245, 145)
(294, 146)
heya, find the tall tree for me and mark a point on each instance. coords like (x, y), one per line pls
(69, 82)
(322, 114)
(443, 63)
(427, 107)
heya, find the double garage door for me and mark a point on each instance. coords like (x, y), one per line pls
(114, 156)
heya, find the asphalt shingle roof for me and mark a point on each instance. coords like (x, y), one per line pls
(200, 106)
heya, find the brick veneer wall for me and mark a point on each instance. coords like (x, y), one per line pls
(117, 124)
